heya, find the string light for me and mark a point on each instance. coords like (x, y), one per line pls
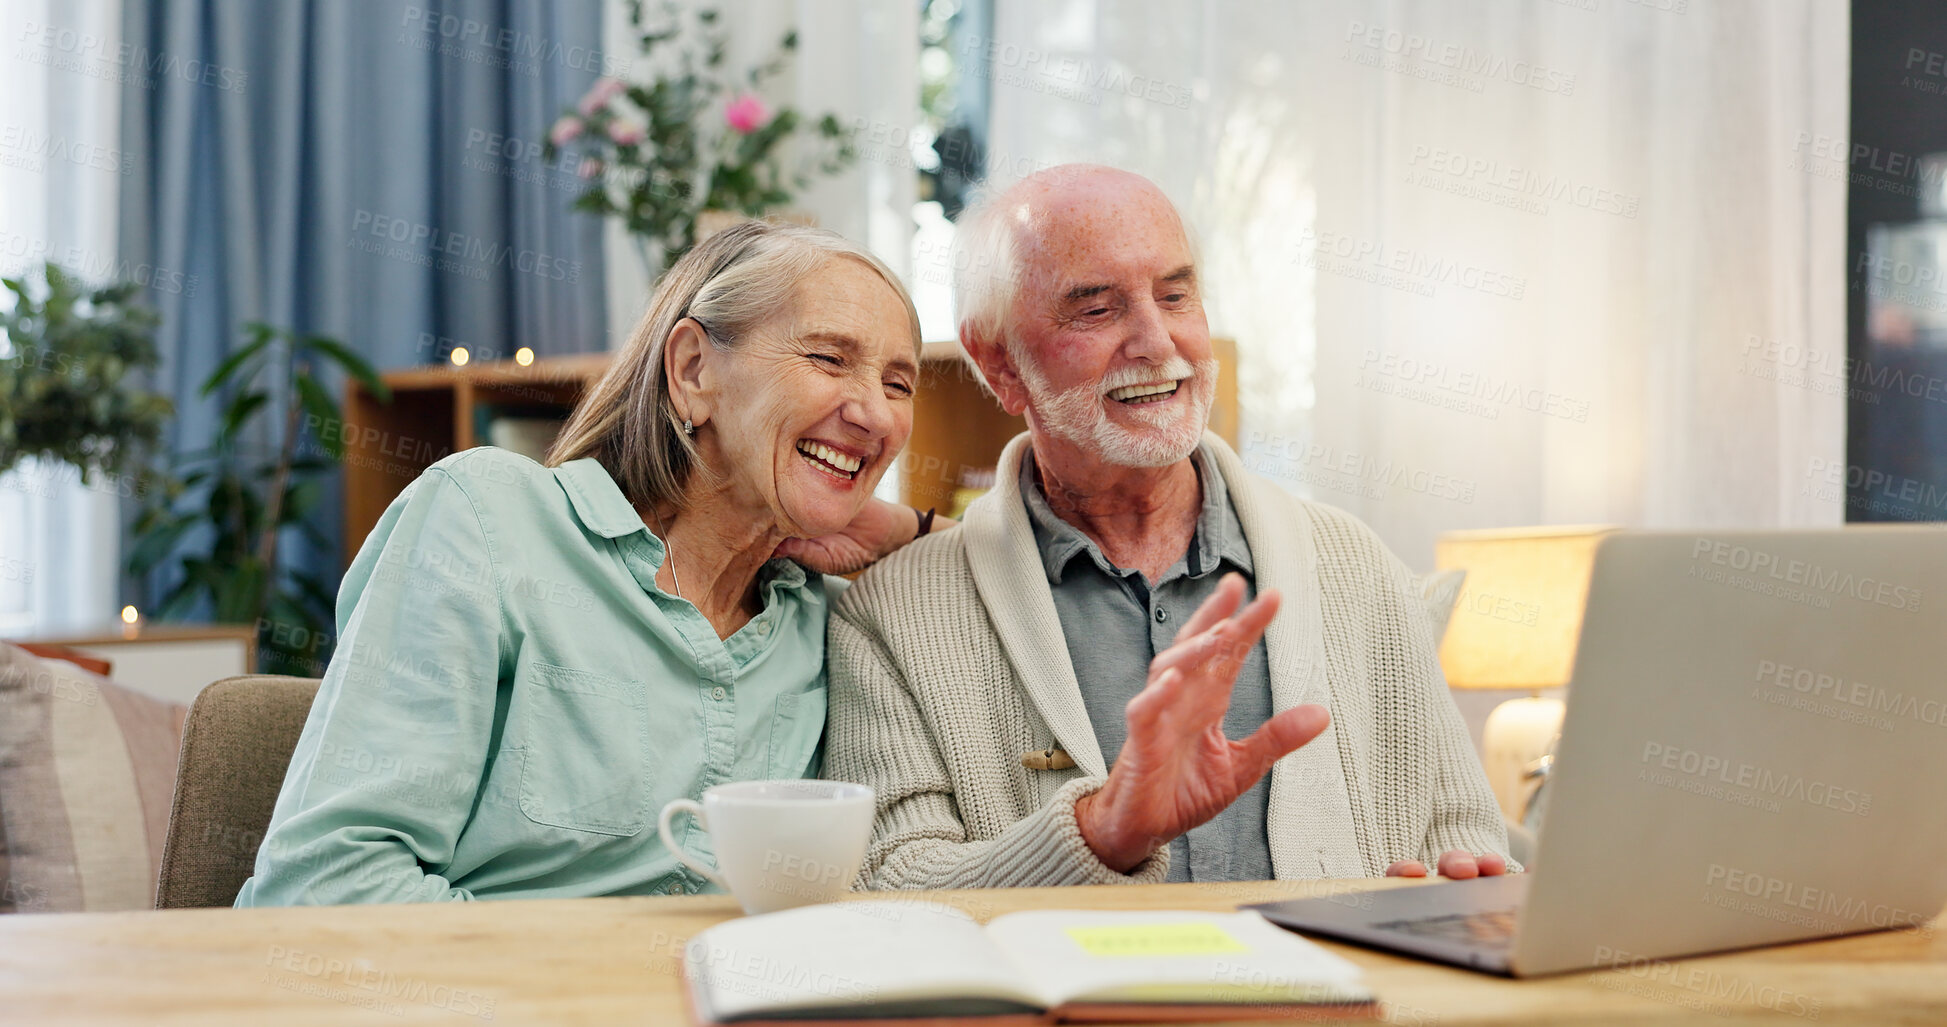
(523, 356)
(459, 356)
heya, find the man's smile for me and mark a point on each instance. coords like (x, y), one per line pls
(1154, 392)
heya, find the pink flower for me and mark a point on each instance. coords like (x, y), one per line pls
(626, 133)
(599, 94)
(565, 130)
(590, 167)
(746, 113)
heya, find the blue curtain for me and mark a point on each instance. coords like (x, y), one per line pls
(365, 170)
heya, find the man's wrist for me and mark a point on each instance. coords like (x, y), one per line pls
(1100, 838)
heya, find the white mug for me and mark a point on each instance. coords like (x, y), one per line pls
(779, 844)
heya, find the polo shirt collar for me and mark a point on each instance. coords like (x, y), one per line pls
(1218, 537)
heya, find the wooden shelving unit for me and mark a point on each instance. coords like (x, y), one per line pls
(432, 415)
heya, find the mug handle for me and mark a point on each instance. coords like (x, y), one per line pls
(669, 840)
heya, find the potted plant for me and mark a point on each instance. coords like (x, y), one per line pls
(694, 145)
(67, 360)
(244, 494)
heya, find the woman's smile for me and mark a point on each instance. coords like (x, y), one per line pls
(833, 462)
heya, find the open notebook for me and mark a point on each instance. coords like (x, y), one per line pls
(879, 960)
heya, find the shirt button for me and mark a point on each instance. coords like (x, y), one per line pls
(1162, 615)
(675, 888)
(718, 693)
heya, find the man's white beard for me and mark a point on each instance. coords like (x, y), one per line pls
(1080, 415)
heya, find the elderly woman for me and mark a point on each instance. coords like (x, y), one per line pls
(533, 660)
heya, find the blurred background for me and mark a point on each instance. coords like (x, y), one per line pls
(1507, 264)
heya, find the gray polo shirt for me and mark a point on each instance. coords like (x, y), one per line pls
(1116, 621)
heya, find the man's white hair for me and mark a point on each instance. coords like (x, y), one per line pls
(986, 263)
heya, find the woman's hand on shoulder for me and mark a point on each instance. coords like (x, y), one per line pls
(879, 529)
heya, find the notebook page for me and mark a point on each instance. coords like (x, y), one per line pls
(849, 955)
(1170, 956)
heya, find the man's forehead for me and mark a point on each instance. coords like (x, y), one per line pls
(1082, 260)
(1126, 230)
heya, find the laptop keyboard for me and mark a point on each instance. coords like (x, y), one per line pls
(1493, 927)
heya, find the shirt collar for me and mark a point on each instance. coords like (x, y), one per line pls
(604, 510)
(1058, 540)
(1219, 537)
(597, 500)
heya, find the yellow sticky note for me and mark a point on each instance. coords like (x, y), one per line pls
(1182, 938)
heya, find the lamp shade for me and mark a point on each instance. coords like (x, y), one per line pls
(1519, 612)
(1515, 625)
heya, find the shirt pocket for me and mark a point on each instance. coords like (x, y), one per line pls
(797, 736)
(585, 765)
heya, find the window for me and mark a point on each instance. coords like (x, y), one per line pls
(948, 146)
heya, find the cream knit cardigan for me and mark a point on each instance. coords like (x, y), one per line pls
(947, 664)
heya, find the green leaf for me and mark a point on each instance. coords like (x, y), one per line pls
(234, 361)
(181, 599)
(238, 412)
(156, 543)
(299, 500)
(317, 402)
(352, 364)
(239, 591)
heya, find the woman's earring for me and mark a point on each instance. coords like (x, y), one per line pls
(688, 428)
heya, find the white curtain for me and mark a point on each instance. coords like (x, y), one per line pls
(1488, 264)
(61, 168)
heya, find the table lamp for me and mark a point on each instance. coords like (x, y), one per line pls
(1514, 626)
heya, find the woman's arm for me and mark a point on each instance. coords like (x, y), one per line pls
(879, 530)
(386, 771)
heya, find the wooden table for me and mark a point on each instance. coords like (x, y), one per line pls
(615, 961)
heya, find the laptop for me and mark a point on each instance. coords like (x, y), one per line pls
(1753, 753)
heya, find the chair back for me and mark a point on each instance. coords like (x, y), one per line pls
(237, 743)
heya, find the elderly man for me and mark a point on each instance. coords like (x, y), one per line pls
(1070, 688)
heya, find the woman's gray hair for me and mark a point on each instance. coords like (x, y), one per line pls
(731, 284)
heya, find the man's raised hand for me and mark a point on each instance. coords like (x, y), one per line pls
(1176, 769)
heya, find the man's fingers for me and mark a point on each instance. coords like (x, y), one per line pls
(1491, 864)
(1256, 617)
(1407, 868)
(1223, 645)
(1459, 866)
(1230, 592)
(1148, 705)
(1280, 736)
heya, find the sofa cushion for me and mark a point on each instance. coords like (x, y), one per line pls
(87, 772)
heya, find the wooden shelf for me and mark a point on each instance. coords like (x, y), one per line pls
(432, 416)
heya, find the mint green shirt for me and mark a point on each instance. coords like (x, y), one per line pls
(512, 700)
